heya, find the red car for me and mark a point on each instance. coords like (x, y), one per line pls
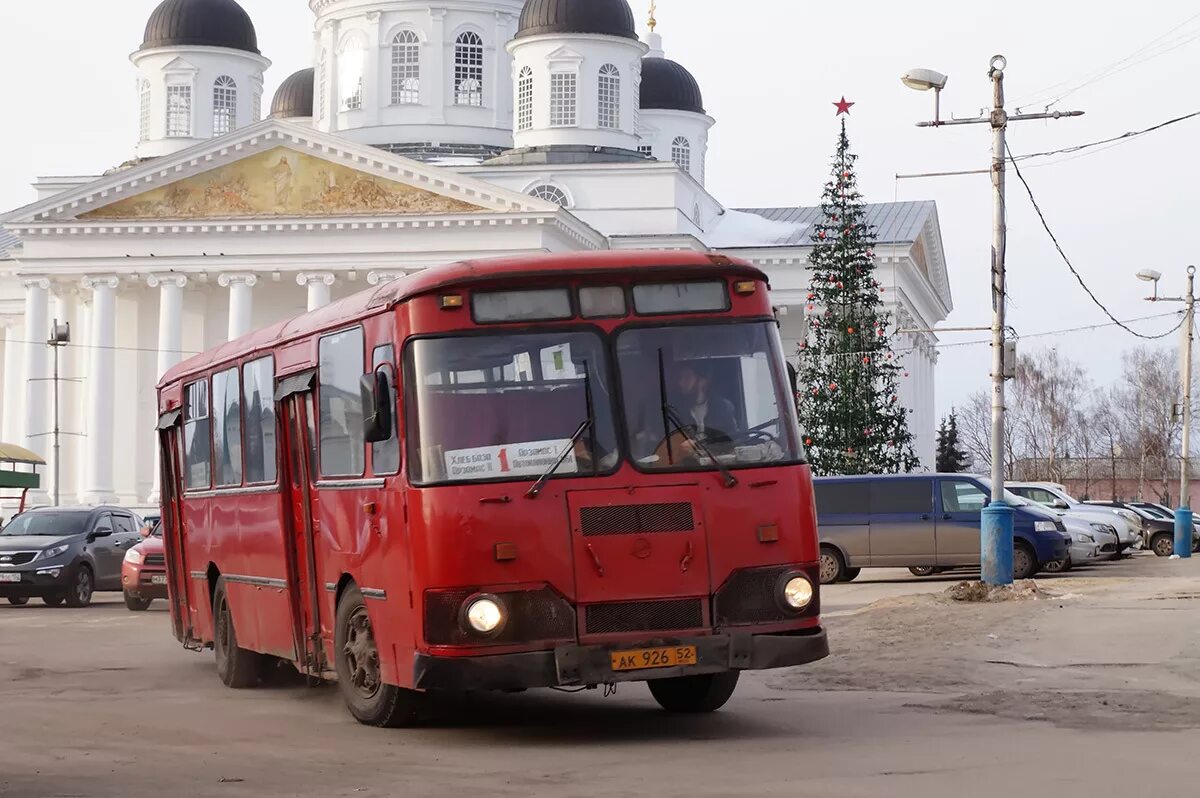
(144, 572)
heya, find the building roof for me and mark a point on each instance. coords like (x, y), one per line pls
(294, 97)
(8, 242)
(668, 85)
(894, 222)
(604, 17)
(200, 23)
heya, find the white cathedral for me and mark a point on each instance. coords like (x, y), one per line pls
(427, 131)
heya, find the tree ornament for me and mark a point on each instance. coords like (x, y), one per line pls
(850, 330)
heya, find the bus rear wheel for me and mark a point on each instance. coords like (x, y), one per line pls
(238, 667)
(356, 655)
(694, 694)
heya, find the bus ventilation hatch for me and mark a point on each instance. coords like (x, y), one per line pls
(636, 519)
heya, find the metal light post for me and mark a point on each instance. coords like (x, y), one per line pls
(996, 530)
(60, 336)
(1183, 516)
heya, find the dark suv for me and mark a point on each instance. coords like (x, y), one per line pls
(65, 554)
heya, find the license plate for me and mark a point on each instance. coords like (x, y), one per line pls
(644, 658)
(158, 579)
(10, 577)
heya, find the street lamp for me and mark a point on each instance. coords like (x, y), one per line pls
(60, 336)
(1183, 516)
(924, 80)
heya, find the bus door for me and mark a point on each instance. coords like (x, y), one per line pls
(295, 398)
(179, 577)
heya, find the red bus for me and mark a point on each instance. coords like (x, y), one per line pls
(549, 471)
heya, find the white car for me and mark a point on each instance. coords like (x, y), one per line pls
(1056, 498)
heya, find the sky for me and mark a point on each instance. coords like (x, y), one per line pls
(770, 71)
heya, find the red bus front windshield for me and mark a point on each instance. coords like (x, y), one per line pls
(508, 406)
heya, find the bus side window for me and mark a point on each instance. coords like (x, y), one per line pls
(385, 455)
(258, 403)
(197, 444)
(343, 450)
(227, 428)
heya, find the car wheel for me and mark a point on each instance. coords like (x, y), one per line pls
(53, 601)
(1053, 566)
(237, 667)
(1025, 563)
(923, 570)
(833, 567)
(694, 694)
(136, 603)
(80, 592)
(356, 657)
(850, 574)
(18, 601)
(1163, 544)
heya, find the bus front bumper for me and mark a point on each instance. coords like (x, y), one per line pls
(573, 665)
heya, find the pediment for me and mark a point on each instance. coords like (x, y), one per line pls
(180, 65)
(564, 53)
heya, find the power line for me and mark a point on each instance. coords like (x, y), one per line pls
(152, 349)
(1121, 138)
(1078, 277)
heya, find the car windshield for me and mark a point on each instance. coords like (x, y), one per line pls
(1153, 512)
(698, 390)
(46, 524)
(506, 406)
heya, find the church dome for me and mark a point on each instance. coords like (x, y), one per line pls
(294, 98)
(201, 23)
(603, 17)
(667, 85)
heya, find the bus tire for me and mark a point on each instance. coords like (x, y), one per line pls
(237, 667)
(356, 658)
(832, 566)
(694, 694)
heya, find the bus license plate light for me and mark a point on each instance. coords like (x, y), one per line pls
(646, 658)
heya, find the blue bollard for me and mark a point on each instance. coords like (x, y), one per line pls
(996, 544)
(1183, 532)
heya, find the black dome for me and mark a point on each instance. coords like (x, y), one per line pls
(667, 85)
(201, 23)
(606, 17)
(295, 95)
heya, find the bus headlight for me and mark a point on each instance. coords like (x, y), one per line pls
(484, 614)
(797, 592)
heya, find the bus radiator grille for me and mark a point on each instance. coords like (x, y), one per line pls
(752, 596)
(644, 616)
(533, 615)
(636, 519)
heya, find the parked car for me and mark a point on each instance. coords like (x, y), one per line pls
(144, 572)
(924, 522)
(65, 554)
(1157, 527)
(1088, 543)
(1056, 498)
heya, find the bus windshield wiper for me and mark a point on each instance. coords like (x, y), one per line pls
(671, 418)
(589, 423)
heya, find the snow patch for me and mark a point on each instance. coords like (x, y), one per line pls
(741, 229)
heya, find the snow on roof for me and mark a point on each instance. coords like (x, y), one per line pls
(743, 229)
(894, 222)
(453, 160)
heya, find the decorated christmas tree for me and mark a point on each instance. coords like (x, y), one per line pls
(852, 417)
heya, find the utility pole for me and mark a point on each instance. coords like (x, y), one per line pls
(60, 336)
(996, 531)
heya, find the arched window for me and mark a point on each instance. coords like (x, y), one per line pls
(144, 111)
(681, 153)
(525, 99)
(179, 111)
(563, 91)
(323, 85)
(351, 65)
(406, 68)
(610, 97)
(550, 193)
(224, 106)
(468, 69)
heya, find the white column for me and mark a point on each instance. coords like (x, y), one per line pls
(170, 341)
(14, 363)
(241, 302)
(376, 88)
(37, 330)
(437, 91)
(100, 391)
(318, 284)
(83, 338)
(381, 277)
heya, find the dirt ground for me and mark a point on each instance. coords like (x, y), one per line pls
(1092, 689)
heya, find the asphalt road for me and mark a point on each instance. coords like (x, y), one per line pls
(103, 702)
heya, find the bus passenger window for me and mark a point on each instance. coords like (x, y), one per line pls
(258, 399)
(227, 428)
(385, 455)
(196, 442)
(340, 365)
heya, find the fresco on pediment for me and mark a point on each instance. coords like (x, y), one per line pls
(280, 182)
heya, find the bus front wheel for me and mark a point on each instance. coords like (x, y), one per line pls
(694, 694)
(369, 699)
(237, 667)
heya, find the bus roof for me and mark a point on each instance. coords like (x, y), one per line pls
(458, 275)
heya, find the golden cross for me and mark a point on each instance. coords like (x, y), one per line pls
(653, 21)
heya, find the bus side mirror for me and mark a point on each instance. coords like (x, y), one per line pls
(377, 407)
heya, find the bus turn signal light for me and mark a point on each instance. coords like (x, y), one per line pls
(745, 287)
(452, 301)
(506, 552)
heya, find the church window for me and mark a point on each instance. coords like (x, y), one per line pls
(646, 149)
(144, 111)
(351, 64)
(562, 99)
(610, 97)
(468, 69)
(406, 69)
(525, 99)
(224, 106)
(179, 111)
(550, 193)
(681, 153)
